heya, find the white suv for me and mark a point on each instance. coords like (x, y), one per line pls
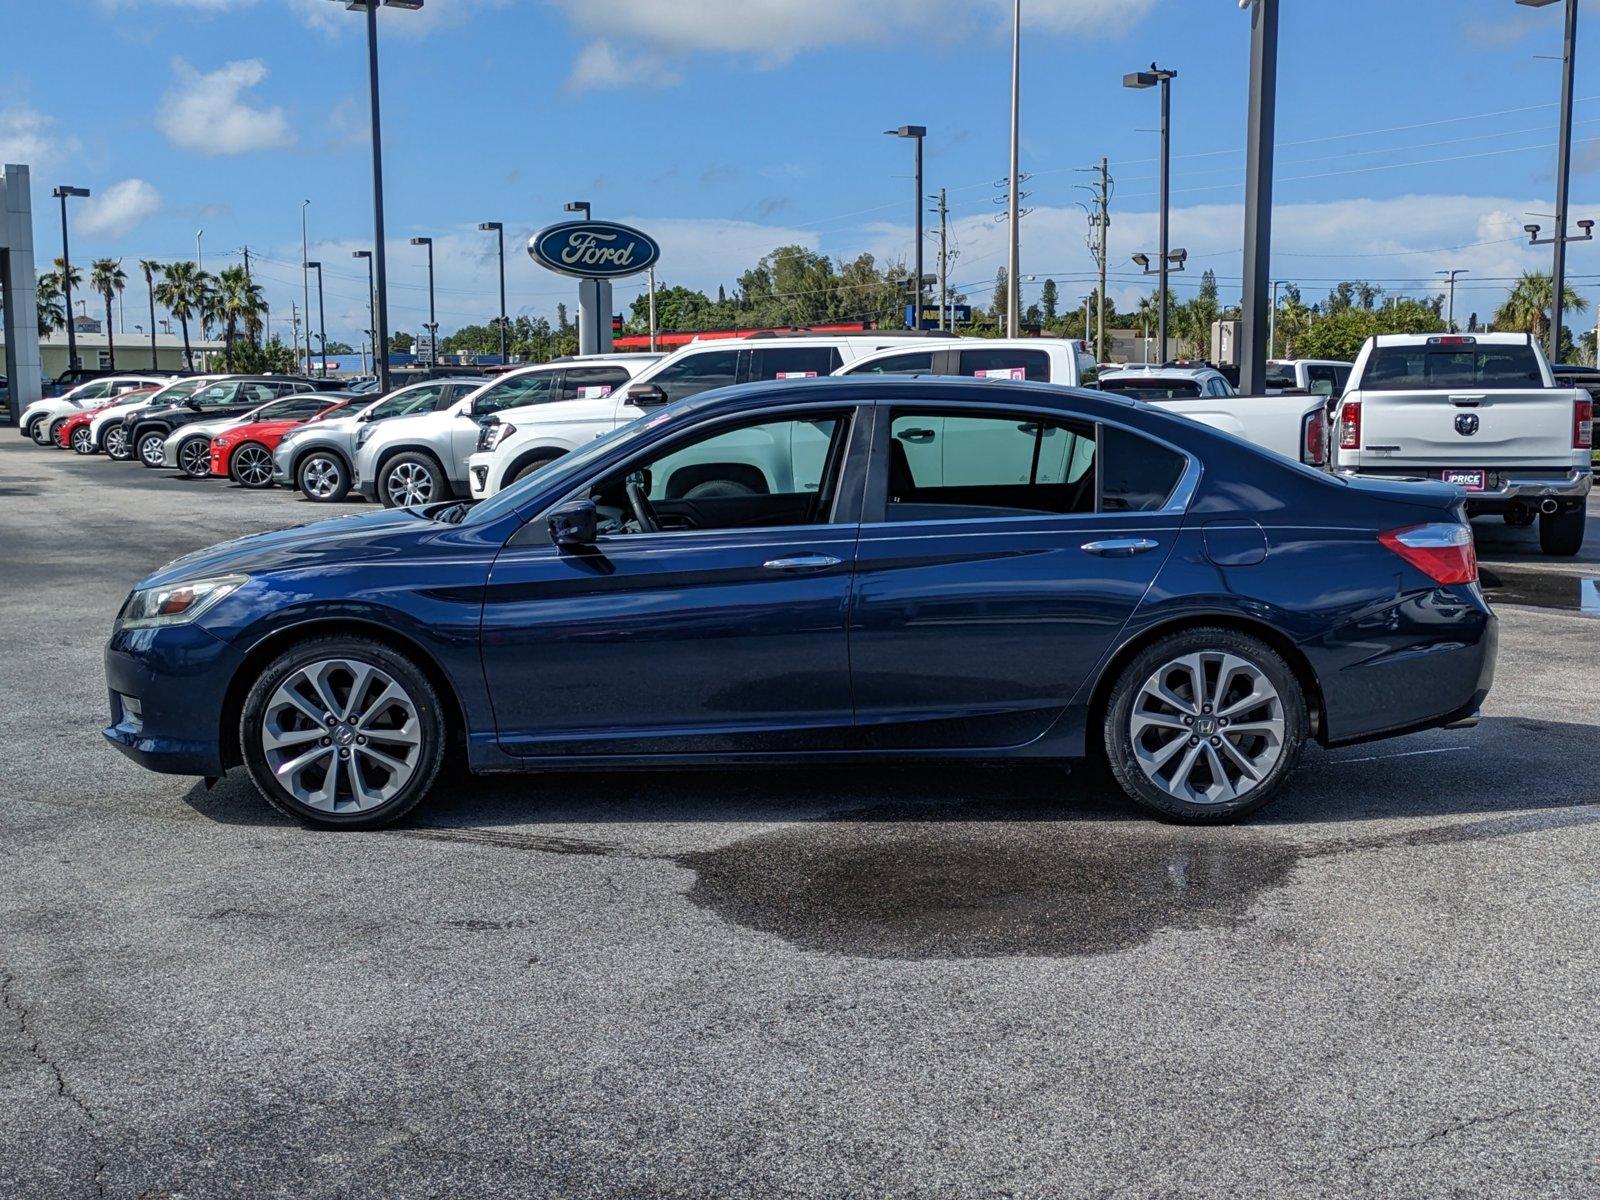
(41, 417)
(545, 435)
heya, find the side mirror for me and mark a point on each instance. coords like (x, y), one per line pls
(646, 395)
(575, 524)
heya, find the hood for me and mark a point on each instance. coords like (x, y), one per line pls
(322, 545)
(262, 428)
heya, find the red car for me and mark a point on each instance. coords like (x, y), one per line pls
(67, 436)
(244, 453)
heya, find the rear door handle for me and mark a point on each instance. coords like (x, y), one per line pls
(1120, 547)
(801, 563)
(915, 435)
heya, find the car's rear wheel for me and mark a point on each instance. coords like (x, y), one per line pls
(342, 732)
(252, 465)
(1561, 533)
(118, 448)
(38, 430)
(1205, 726)
(149, 448)
(82, 440)
(194, 457)
(322, 477)
(408, 480)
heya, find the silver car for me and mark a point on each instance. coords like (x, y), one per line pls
(318, 459)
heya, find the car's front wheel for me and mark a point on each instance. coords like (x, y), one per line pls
(410, 479)
(194, 457)
(342, 732)
(322, 477)
(1205, 726)
(252, 465)
(118, 447)
(56, 427)
(82, 440)
(149, 448)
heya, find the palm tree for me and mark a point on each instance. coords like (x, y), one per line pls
(239, 303)
(1527, 308)
(150, 269)
(52, 314)
(183, 293)
(107, 277)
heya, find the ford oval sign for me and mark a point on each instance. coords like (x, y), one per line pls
(593, 249)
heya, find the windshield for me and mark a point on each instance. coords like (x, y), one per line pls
(401, 403)
(568, 466)
(1151, 389)
(1434, 366)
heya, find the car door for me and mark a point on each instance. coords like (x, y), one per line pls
(722, 630)
(981, 603)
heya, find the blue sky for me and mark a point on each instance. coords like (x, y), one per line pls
(1413, 136)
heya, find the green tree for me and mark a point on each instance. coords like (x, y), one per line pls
(1002, 293)
(107, 277)
(237, 302)
(51, 309)
(1527, 308)
(337, 347)
(182, 292)
(268, 358)
(1049, 299)
(150, 268)
(401, 343)
(1339, 335)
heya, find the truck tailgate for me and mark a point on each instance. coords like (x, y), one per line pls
(1276, 422)
(1490, 428)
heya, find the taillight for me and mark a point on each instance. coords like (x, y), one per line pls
(1442, 551)
(1350, 425)
(1583, 424)
(1314, 438)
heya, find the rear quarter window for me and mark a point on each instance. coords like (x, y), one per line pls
(1004, 364)
(1136, 474)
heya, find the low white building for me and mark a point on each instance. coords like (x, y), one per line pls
(132, 349)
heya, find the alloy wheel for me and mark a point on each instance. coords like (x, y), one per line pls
(194, 458)
(321, 477)
(150, 449)
(409, 484)
(341, 735)
(82, 440)
(117, 442)
(1207, 728)
(252, 465)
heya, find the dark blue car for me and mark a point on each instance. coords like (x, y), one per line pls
(827, 570)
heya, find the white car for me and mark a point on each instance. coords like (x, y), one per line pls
(106, 431)
(40, 419)
(555, 429)
(1067, 361)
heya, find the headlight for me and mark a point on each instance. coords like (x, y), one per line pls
(287, 438)
(220, 443)
(496, 433)
(175, 604)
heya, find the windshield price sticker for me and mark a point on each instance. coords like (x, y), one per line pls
(596, 391)
(796, 375)
(1003, 373)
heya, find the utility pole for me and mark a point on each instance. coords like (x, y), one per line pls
(1272, 321)
(944, 261)
(1014, 252)
(1262, 120)
(247, 262)
(1099, 222)
(305, 279)
(1450, 310)
(652, 308)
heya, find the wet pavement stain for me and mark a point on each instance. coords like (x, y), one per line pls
(1542, 589)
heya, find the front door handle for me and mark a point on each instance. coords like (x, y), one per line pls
(802, 562)
(1120, 547)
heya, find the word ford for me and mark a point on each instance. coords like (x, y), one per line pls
(584, 249)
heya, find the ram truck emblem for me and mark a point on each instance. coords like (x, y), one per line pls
(1467, 424)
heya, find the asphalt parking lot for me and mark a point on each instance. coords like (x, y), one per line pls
(943, 983)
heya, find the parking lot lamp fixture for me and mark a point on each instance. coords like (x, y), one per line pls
(916, 133)
(433, 320)
(1141, 80)
(372, 318)
(582, 206)
(62, 193)
(499, 230)
(322, 320)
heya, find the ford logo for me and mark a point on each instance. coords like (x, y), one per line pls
(593, 249)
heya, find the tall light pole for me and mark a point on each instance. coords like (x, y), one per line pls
(582, 206)
(1450, 311)
(1014, 198)
(372, 319)
(1558, 267)
(1272, 321)
(380, 345)
(199, 259)
(499, 230)
(916, 133)
(305, 277)
(62, 193)
(322, 320)
(1141, 80)
(433, 321)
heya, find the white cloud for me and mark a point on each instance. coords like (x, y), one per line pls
(27, 136)
(210, 112)
(435, 14)
(119, 208)
(774, 31)
(601, 65)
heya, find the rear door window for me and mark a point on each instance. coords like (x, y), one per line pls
(591, 383)
(515, 392)
(1000, 363)
(794, 362)
(915, 363)
(951, 466)
(696, 373)
(1324, 380)
(1439, 367)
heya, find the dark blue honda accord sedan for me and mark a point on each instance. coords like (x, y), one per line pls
(825, 570)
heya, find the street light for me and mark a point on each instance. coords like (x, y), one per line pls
(578, 206)
(1450, 313)
(1140, 80)
(433, 322)
(61, 193)
(382, 320)
(499, 230)
(916, 133)
(322, 322)
(1559, 240)
(372, 320)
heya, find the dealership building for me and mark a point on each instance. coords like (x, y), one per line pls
(133, 350)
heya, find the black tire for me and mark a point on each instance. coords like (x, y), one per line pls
(322, 477)
(117, 444)
(528, 468)
(1561, 533)
(250, 466)
(55, 433)
(1118, 734)
(147, 448)
(430, 725)
(82, 440)
(194, 457)
(416, 472)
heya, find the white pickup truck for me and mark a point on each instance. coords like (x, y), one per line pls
(1318, 376)
(1481, 411)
